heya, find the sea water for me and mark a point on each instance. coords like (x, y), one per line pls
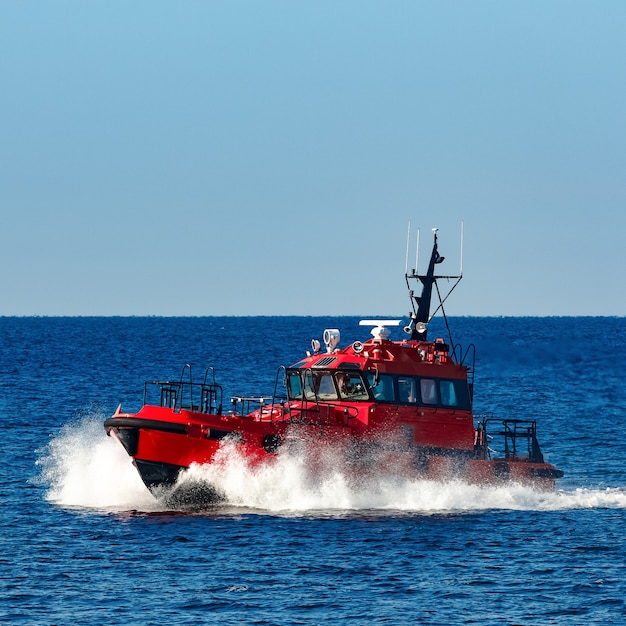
(84, 542)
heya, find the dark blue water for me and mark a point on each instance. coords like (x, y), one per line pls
(82, 541)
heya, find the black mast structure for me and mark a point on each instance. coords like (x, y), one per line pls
(420, 316)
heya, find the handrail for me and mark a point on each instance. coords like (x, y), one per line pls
(470, 353)
(172, 395)
(248, 402)
(182, 374)
(512, 430)
(281, 398)
(206, 373)
(324, 410)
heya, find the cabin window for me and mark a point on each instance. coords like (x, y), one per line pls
(383, 390)
(351, 386)
(319, 386)
(428, 389)
(327, 389)
(294, 386)
(407, 390)
(448, 393)
(309, 386)
(461, 394)
(451, 393)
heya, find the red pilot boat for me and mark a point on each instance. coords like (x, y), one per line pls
(400, 406)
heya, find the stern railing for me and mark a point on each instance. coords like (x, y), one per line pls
(516, 440)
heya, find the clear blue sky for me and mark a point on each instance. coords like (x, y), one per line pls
(244, 157)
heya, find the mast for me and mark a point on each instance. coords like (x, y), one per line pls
(421, 304)
(423, 301)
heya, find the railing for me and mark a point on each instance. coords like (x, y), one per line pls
(204, 397)
(467, 358)
(314, 412)
(244, 405)
(275, 404)
(308, 412)
(518, 440)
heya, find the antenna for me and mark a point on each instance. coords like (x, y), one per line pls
(461, 267)
(408, 237)
(417, 248)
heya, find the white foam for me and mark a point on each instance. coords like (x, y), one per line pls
(83, 467)
(286, 485)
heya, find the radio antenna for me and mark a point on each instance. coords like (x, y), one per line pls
(408, 237)
(417, 248)
(461, 267)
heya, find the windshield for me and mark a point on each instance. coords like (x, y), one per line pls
(326, 385)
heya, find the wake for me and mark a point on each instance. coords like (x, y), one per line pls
(82, 467)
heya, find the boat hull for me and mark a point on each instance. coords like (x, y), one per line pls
(163, 443)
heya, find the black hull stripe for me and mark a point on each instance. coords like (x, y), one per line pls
(137, 422)
(166, 427)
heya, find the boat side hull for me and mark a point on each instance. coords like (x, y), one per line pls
(163, 443)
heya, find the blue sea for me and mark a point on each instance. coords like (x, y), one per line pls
(83, 542)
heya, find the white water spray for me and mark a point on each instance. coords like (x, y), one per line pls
(82, 467)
